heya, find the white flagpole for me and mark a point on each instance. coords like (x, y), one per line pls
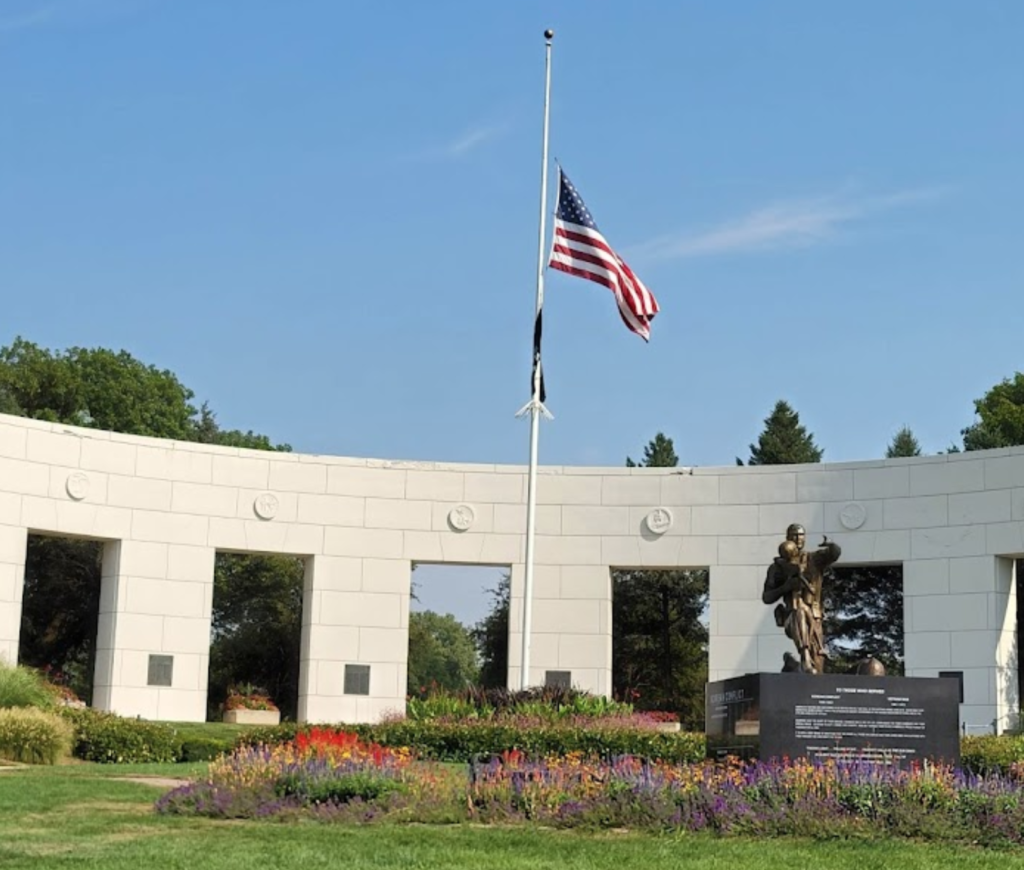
(535, 408)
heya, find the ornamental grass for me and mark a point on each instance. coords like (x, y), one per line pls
(23, 687)
(32, 736)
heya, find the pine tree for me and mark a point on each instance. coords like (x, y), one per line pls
(903, 444)
(784, 440)
(659, 453)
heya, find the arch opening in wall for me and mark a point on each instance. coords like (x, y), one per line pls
(864, 616)
(458, 627)
(60, 611)
(660, 640)
(256, 631)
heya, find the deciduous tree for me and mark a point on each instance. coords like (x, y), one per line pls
(97, 388)
(1000, 417)
(442, 653)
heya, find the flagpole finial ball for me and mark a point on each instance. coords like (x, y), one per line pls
(549, 34)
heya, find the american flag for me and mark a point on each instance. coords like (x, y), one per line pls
(579, 249)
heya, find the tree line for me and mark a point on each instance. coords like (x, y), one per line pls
(659, 632)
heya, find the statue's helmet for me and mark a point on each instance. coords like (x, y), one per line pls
(794, 530)
(788, 550)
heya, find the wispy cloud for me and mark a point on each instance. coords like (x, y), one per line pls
(457, 148)
(784, 224)
(472, 139)
(68, 12)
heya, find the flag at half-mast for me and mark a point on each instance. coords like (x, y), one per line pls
(579, 248)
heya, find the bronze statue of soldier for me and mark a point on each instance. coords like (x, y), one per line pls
(793, 583)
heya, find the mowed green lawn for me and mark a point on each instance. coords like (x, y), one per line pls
(83, 816)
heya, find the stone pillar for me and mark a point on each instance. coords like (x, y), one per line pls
(960, 614)
(1004, 622)
(571, 630)
(13, 542)
(355, 639)
(743, 636)
(153, 640)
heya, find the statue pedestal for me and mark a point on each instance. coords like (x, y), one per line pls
(795, 715)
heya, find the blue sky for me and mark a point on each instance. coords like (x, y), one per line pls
(323, 216)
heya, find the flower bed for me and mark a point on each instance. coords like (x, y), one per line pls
(321, 771)
(335, 775)
(831, 799)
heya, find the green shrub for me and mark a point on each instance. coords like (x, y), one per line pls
(549, 703)
(108, 738)
(271, 735)
(988, 753)
(23, 687)
(462, 741)
(33, 736)
(203, 748)
(437, 705)
(363, 785)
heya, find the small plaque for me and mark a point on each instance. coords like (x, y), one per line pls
(461, 517)
(659, 520)
(357, 679)
(558, 679)
(955, 675)
(266, 505)
(161, 671)
(77, 485)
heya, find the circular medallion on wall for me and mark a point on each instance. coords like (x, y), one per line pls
(659, 520)
(77, 485)
(266, 505)
(461, 517)
(853, 515)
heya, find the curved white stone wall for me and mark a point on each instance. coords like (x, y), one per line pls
(955, 522)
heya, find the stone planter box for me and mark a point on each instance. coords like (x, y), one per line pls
(252, 717)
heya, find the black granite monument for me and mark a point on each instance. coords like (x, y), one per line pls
(819, 716)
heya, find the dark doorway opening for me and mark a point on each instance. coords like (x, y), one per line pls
(256, 631)
(60, 610)
(864, 616)
(660, 641)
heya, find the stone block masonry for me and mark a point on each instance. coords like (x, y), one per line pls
(164, 508)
